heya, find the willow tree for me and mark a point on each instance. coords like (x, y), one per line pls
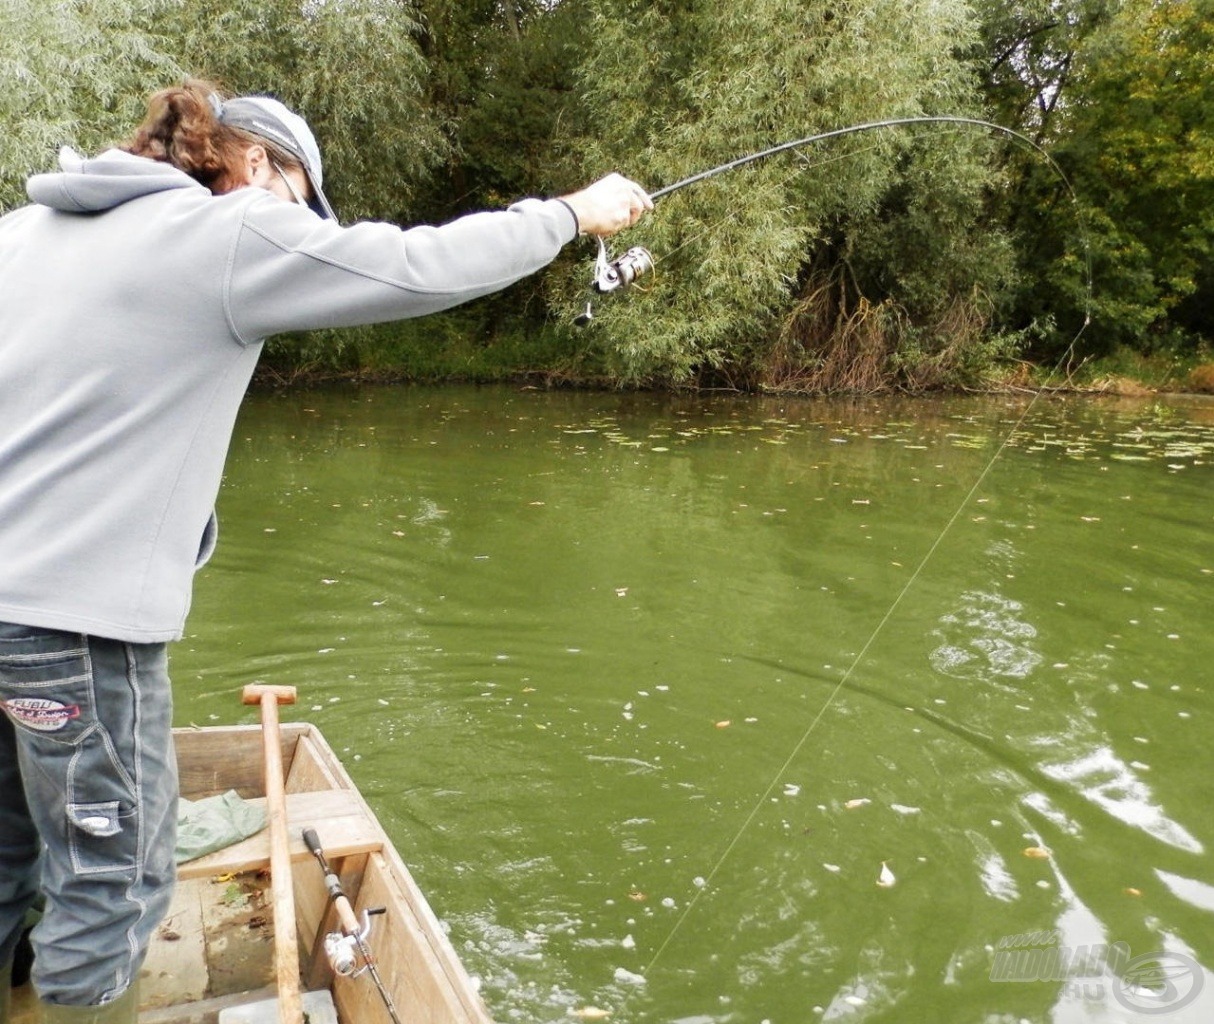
(850, 264)
(501, 82)
(71, 74)
(351, 67)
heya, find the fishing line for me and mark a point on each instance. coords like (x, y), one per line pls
(851, 668)
(610, 275)
(948, 525)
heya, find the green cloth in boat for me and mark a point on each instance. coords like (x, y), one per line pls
(204, 826)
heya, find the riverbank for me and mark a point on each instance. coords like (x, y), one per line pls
(456, 360)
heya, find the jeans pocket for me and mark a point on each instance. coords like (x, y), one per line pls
(102, 809)
(81, 790)
(46, 686)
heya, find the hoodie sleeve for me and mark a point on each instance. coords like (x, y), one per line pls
(293, 271)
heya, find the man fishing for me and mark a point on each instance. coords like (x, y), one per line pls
(138, 288)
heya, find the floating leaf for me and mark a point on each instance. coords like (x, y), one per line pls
(1037, 852)
(724, 724)
(1130, 891)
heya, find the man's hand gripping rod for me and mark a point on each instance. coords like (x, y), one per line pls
(347, 947)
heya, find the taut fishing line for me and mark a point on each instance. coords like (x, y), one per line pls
(611, 275)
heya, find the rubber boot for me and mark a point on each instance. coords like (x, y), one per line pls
(6, 992)
(123, 1010)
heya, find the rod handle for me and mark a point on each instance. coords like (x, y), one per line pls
(312, 841)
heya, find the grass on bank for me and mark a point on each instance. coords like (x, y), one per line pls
(471, 347)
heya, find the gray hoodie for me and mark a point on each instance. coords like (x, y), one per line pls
(133, 304)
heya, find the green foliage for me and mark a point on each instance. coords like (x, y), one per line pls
(501, 82)
(1142, 146)
(916, 257)
(352, 68)
(72, 73)
(1026, 54)
(766, 263)
(1121, 91)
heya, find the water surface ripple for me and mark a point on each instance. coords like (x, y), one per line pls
(567, 644)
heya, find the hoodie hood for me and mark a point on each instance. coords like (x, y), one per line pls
(91, 185)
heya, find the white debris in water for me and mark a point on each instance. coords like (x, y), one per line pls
(668, 903)
(905, 809)
(628, 942)
(627, 977)
(699, 881)
(833, 868)
(791, 789)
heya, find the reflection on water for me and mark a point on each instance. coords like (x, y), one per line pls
(748, 710)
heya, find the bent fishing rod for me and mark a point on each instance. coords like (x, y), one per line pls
(611, 275)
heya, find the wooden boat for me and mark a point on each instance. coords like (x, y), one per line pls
(215, 948)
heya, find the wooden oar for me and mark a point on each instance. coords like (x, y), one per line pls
(286, 950)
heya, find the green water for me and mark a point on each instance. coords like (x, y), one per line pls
(649, 690)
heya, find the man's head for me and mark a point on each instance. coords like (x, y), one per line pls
(234, 143)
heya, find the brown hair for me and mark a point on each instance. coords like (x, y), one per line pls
(182, 128)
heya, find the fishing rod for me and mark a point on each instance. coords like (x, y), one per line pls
(347, 947)
(611, 275)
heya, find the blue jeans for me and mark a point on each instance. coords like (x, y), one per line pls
(88, 806)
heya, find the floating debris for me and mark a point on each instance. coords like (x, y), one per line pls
(590, 1013)
(886, 879)
(628, 978)
(1037, 852)
(861, 801)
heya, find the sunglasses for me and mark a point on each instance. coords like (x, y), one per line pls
(295, 193)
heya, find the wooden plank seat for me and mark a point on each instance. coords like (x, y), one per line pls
(343, 824)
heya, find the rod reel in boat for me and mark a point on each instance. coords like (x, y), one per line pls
(347, 949)
(344, 951)
(613, 274)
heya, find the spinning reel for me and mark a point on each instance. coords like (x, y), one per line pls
(612, 274)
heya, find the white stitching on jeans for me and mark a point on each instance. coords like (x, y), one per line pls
(132, 660)
(38, 658)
